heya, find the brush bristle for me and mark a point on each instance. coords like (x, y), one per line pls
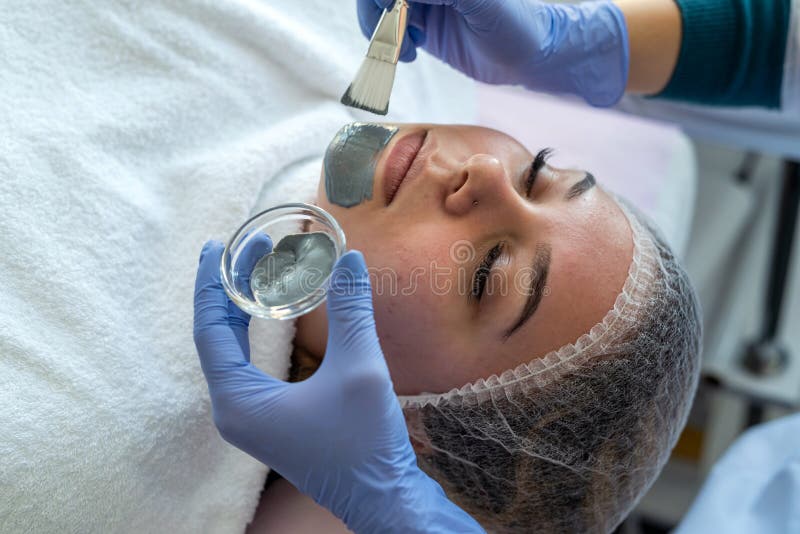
(372, 86)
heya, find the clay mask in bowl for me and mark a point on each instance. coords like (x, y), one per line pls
(289, 278)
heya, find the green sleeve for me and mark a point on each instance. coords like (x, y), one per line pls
(732, 52)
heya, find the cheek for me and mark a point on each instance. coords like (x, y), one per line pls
(408, 310)
(415, 321)
(406, 324)
(413, 342)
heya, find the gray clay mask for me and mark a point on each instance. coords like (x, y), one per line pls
(350, 162)
(297, 267)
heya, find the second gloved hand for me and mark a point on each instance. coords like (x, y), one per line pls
(578, 49)
(339, 436)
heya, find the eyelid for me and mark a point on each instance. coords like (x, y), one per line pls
(487, 263)
(538, 164)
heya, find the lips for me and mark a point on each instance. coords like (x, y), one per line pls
(400, 161)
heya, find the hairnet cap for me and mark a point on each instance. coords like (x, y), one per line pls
(569, 442)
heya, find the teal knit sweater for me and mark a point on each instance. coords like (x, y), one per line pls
(732, 52)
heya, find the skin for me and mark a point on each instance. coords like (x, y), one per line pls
(467, 185)
(655, 32)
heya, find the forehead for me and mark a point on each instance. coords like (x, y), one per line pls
(592, 251)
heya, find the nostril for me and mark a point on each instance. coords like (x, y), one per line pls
(462, 180)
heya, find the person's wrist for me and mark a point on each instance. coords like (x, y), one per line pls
(414, 504)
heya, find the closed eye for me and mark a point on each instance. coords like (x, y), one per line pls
(538, 164)
(481, 276)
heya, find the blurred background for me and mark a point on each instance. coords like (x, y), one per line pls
(741, 242)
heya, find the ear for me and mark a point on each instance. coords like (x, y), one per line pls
(420, 448)
(416, 433)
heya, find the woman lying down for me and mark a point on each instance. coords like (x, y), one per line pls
(542, 337)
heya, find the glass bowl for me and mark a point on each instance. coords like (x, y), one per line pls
(245, 261)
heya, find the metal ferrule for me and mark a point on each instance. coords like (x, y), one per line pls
(387, 41)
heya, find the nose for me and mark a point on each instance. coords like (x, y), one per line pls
(482, 182)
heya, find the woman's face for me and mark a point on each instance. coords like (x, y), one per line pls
(471, 273)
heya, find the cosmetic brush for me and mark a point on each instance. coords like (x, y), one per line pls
(372, 86)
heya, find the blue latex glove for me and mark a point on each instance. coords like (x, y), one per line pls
(339, 436)
(578, 49)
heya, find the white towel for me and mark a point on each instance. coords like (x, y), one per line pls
(131, 132)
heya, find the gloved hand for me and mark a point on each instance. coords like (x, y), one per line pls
(579, 49)
(339, 436)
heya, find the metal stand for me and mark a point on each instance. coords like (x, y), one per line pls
(748, 167)
(765, 356)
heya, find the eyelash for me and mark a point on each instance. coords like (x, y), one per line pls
(482, 274)
(538, 163)
(485, 268)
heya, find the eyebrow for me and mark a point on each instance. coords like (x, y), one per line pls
(540, 268)
(581, 187)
